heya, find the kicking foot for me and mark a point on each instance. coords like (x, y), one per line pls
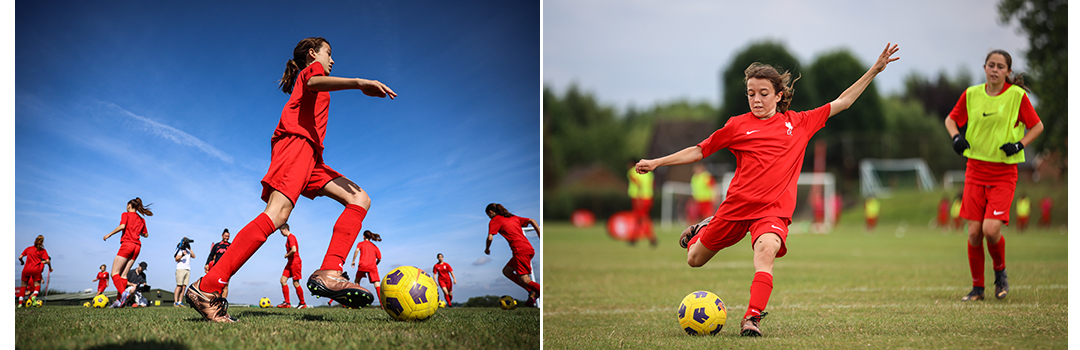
(209, 304)
(330, 284)
(690, 232)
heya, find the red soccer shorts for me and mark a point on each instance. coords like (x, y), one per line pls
(446, 284)
(521, 263)
(129, 251)
(371, 274)
(292, 270)
(987, 202)
(720, 234)
(31, 276)
(641, 206)
(294, 171)
(101, 287)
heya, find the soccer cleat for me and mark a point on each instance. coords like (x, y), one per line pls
(284, 306)
(330, 284)
(1001, 284)
(976, 294)
(750, 325)
(210, 304)
(123, 301)
(690, 232)
(301, 306)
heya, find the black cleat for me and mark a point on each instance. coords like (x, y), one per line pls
(976, 294)
(690, 232)
(1001, 284)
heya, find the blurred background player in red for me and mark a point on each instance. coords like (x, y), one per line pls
(943, 213)
(954, 211)
(297, 168)
(1046, 204)
(987, 126)
(293, 268)
(701, 189)
(640, 190)
(873, 209)
(1023, 212)
(370, 257)
(519, 267)
(445, 278)
(216, 251)
(102, 280)
(133, 225)
(36, 257)
(769, 143)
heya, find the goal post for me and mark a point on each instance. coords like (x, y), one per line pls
(870, 182)
(672, 190)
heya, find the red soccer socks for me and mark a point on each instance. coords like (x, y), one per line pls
(345, 230)
(760, 290)
(976, 261)
(247, 241)
(997, 253)
(299, 295)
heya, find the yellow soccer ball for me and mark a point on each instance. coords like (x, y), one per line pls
(702, 313)
(409, 294)
(264, 302)
(86, 304)
(507, 302)
(101, 301)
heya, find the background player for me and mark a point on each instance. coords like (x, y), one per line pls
(102, 280)
(133, 225)
(769, 143)
(297, 168)
(993, 141)
(216, 251)
(519, 267)
(640, 190)
(293, 267)
(370, 257)
(446, 279)
(36, 256)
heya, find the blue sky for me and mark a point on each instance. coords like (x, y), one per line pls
(176, 104)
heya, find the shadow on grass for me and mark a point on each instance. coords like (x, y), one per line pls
(157, 345)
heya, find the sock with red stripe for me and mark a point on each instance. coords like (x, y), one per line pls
(120, 283)
(977, 262)
(285, 292)
(247, 241)
(760, 290)
(345, 230)
(997, 253)
(300, 294)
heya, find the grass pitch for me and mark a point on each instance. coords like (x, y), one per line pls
(896, 287)
(75, 327)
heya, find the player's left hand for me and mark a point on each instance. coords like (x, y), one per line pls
(1012, 148)
(487, 251)
(886, 57)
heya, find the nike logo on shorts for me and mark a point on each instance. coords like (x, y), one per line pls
(752, 131)
(778, 228)
(998, 212)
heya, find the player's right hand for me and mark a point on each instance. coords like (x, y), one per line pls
(959, 144)
(644, 166)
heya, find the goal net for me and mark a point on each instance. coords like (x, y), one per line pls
(674, 197)
(896, 173)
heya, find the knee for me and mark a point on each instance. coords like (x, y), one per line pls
(362, 199)
(695, 261)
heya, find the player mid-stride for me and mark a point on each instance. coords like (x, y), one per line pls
(520, 265)
(293, 266)
(446, 278)
(769, 143)
(297, 168)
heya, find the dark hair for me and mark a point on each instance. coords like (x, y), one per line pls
(103, 265)
(139, 207)
(1017, 79)
(298, 62)
(782, 83)
(372, 236)
(498, 209)
(224, 232)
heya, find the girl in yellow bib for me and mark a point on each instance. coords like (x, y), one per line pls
(987, 126)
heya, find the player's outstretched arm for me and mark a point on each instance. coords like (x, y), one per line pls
(536, 227)
(852, 93)
(372, 88)
(686, 155)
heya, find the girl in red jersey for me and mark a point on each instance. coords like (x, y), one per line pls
(993, 140)
(519, 267)
(769, 143)
(292, 269)
(133, 226)
(370, 257)
(35, 256)
(446, 278)
(102, 280)
(297, 168)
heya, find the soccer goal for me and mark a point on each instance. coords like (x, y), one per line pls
(674, 195)
(899, 172)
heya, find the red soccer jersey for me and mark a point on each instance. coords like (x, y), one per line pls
(103, 278)
(769, 156)
(990, 173)
(369, 255)
(290, 243)
(306, 112)
(443, 270)
(510, 228)
(134, 225)
(34, 257)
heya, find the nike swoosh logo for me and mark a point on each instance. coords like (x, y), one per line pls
(987, 115)
(752, 131)
(222, 282)
(998, 212)
(774, 226)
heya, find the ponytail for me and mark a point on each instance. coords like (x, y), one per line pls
(372, 236)
(498, 209)
(298, 62)
(138, 206)
(39, 242)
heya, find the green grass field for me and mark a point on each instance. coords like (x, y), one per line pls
(160, 328)
(845, 290)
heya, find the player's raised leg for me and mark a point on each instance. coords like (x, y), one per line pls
(328, 280)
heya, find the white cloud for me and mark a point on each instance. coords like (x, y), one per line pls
(172, 134)
(483, 260)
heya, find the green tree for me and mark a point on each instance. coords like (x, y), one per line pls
(833, 73)
(733, 89)
(1046, 23)
(937, 97)
(578, 131)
